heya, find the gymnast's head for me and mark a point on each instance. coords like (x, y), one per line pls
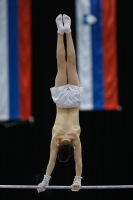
(65, 150)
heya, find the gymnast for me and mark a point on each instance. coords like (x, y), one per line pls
(67, 96)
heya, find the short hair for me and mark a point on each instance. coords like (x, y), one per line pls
(65, 150)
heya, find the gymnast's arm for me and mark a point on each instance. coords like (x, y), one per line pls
(53, 156)
(50, 166)
(78, 165)
(78, 157)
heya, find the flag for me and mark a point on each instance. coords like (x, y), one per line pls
(97, 53)
(15, 60)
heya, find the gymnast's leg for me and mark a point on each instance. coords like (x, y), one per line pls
(71, 57)
(61, 78)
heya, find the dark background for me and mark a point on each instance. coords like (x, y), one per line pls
(106, 136)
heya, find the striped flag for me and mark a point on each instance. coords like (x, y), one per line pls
(15, 60)
(97, 53)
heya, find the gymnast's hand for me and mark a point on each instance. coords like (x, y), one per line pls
(42, 186)
(76, 183)
(76, 187)
(44, 183)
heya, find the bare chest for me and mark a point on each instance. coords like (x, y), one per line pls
(66, 132)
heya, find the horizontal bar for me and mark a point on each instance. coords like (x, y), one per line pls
(68, 187)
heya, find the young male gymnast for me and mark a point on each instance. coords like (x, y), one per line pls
(67, 96)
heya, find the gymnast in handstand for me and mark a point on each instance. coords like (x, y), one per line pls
(67, 96)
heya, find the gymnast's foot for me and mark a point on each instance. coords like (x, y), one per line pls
(67, 23)
(59, 23)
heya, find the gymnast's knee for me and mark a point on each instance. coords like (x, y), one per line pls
(71, 59)
(61, 64)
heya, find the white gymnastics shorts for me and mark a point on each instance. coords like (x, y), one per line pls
(67, 96)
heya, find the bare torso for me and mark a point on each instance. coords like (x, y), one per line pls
(66, 125)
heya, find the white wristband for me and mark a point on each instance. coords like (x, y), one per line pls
(77, 179)
(46, 179)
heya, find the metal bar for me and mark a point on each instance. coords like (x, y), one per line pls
(68, 187)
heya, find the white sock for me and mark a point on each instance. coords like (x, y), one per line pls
(59, 23)
(67, 23)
